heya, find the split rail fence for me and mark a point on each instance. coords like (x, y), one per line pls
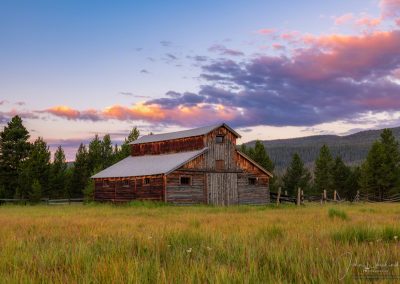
(300, 198)
(43, 201)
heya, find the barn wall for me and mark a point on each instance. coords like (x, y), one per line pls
(225, 151)
(248, 193)
(116, 191)
(252, 194)
(169, 146)
(186, 194)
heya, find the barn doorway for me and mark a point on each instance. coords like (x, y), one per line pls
(222, 188)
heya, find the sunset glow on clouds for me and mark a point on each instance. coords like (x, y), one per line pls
(271, 77)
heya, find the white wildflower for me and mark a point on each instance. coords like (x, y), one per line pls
(189, 250)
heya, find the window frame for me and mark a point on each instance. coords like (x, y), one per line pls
(125, 183)
(254, 180)
(106, 183)
(185, 184)
(222, 139)
(145, 183)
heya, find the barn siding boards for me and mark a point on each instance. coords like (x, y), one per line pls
(247, 193)
(252, 194)
(167, 147)
(185, 194)
(136, 190)
(222, 188)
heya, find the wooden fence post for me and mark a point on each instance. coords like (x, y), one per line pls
(302, 197)
(334, 196)
(324, 196)
(357, 198)
(279, 196)
(298, 196)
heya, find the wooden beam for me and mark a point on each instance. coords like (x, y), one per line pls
(165, 188)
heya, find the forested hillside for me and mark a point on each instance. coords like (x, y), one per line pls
(352, 148)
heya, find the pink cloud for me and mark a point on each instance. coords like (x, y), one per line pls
(344, 19)
(368, 22)
(278, 46)
(265, 31)
(290, 36)
(182, 115)
(344, 55)
(390, 8)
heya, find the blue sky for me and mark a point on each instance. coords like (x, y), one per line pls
(75, 68)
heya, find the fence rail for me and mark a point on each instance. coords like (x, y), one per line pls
(43, 200)
(323, 198)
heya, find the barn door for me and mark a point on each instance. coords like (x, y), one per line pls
(222, 188)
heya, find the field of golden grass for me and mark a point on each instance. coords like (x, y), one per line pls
(145, 243)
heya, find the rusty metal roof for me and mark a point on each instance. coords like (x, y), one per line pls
(149, 164)
(181, 134)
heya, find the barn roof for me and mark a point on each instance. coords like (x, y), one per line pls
(254, 163)
(149, 164)
(182, 134)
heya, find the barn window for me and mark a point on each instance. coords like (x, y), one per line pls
(219, 139)
(186, 180)
(125, 183)
(219, 165)
(146, 181)
(106, 183)
(252, 181)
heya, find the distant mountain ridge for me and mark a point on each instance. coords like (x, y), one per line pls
(352, 148)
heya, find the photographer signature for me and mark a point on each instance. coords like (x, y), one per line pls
(377, 269)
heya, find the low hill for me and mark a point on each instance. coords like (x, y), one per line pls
(352, 148)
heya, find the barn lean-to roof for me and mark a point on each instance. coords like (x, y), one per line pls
(254, 163)
(149, 164)
(182, 134)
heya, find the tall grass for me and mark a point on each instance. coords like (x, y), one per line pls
(367, 234)
(337, 213)
(145, 243)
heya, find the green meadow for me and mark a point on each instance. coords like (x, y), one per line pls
(151, 243)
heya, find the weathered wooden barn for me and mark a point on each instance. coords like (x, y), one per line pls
(194, 166)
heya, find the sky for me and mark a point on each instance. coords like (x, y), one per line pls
(270, 69)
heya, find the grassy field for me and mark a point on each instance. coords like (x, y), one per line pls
(144, 243)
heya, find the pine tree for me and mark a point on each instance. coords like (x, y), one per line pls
(296, 176)
(380, 173)
(391, 163)
(322, 173)
(125, 147)
(35, 168)
(95, 159)
(80, 173)
(88, 192)
(261, 157)
(106, 152)
(14, 148)
(58, 182)
(36, 193)
(372, 172)
(340, 176)
(352, 184)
